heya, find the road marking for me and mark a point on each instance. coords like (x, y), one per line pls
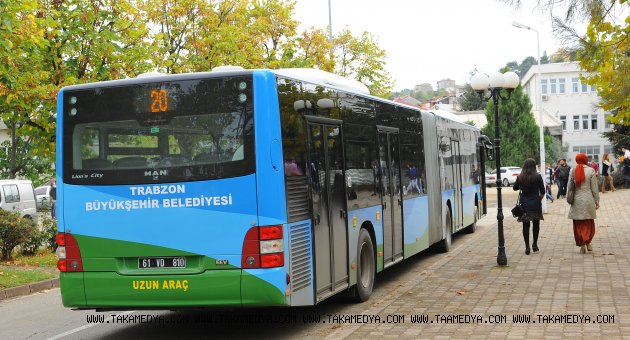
(78, 329)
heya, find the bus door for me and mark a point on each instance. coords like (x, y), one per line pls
(391, 195)
(328, 191)
(456, 165)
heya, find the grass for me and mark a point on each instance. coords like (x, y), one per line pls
(17, 277)
(42, 259)
(28, 269)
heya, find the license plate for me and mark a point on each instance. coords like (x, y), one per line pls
(161, 262)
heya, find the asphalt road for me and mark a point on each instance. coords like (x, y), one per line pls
(42, 316)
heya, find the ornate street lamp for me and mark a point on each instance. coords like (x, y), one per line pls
(497, 82)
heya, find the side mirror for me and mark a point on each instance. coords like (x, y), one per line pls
(487, 145)
(490, 152)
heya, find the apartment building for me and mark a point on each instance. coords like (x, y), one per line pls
(558, 91)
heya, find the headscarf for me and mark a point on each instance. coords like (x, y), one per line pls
(581, 159)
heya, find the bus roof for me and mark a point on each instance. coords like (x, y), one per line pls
(305, 74)
(323, 77)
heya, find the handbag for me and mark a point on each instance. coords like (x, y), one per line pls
(571, 191)
(518, 209)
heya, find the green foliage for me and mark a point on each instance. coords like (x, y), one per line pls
(544, 59)
(517, 127)
(419, 96)
(618, 136)
(45, 45)
(362, 59)
(49, 45)
(19, 277)
(49, 232)
(14, 231)
(37, 168)
(522, 68)
(31, 245)
(470, 100)
(603, 51)
(605, 54)
(553, 149)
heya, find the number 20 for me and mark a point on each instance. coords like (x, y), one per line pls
(160, 101)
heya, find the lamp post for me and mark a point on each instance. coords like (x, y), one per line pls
(496, 83)
(330, 37)
(538, 107)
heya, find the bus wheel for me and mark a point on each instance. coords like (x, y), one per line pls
(445, 245)
(366, 267)
(473, 227)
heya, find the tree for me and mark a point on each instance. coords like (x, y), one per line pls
(362, 59)
(525, 65)
(518, 129)
(313, 50)
(618, 136)
(276, 29)
(470, 100)
(553, 149)
(522, 68)
(603, 52)
(544, 59)
(49, 44)
(24, 99)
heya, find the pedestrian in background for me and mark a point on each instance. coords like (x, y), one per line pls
(563, 175)
(532, 188)
(595, 166)
(548, 182)
(607, 169)
(53, 199)
(583, 181)
(626, 172)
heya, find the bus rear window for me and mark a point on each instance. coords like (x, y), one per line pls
(202, 129)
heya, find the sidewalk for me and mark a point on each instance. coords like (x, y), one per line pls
(555, 282)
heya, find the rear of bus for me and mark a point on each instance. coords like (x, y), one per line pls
(161, 193)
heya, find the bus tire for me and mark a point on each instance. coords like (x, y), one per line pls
(366, 267)
(445, 244)
(473, 227)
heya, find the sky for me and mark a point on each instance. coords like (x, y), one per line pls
(431, 40)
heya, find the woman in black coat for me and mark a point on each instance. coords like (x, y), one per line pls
(532, 192)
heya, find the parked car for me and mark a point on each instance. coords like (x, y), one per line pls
(18, 195)
(42, 195)
(508, 176)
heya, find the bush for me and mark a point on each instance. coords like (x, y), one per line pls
(14, 231)
(49, 232)
(31, 245)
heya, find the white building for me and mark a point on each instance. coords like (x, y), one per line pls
(4, 132)
(563, 96)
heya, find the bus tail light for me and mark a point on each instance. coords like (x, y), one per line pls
(263, 247)
(271, 246)
(272, 260)
(68, 253)
(271, 232)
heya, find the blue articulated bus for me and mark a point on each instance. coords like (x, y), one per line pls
(250, 188)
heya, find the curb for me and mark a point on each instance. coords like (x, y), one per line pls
(28, 289)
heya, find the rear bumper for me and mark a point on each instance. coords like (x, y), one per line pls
(215, 288)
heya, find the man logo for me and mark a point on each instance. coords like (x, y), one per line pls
(155, 173)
